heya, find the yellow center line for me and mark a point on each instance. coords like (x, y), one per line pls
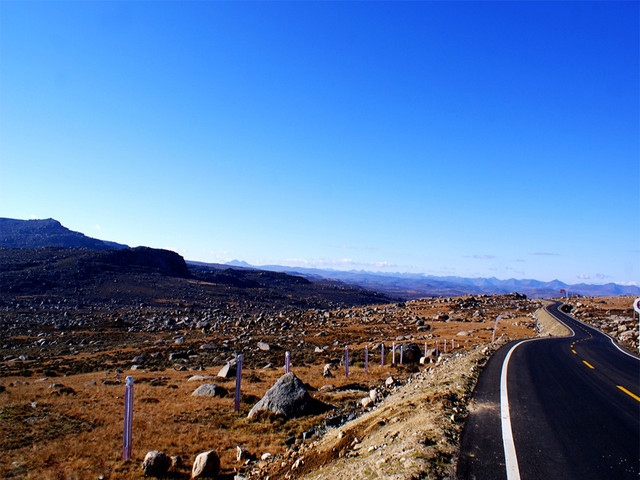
(628, 392)
(574, 351)
(589, 365)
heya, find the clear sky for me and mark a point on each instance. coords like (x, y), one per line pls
(450, 138)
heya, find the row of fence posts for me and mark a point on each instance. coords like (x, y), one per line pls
(128, 395)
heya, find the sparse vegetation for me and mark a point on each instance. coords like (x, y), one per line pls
(79, 435)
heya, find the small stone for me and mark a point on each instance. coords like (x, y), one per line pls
(197, 378)
(206, 465)
(156, 464)
(229, 370)
(176, 461)
(210, 390)
(366, 402)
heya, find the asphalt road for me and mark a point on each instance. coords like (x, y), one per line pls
(573, 411)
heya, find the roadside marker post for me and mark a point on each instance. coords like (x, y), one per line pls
(366, 359)
(236, 403)
(128, 417)
(346, 361)
(382, 354)
(495, 325)
(287, 356)
(401, 353)
(393, 353)
(444, 345)
(437, 352)
(425, 349)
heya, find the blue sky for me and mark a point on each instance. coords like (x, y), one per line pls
(450, 138)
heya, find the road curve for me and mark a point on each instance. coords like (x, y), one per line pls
(573, 407)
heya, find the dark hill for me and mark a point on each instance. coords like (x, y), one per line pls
(150, 276)
(47, 233)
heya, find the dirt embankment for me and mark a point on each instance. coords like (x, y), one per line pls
(549, 326)
(412, 433)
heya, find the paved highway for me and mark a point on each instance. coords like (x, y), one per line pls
(555, 408)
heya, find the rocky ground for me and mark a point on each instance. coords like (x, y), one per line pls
(612, 315)
(63, 368)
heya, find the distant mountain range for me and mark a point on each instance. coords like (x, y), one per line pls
(412, 285)
(47, 233)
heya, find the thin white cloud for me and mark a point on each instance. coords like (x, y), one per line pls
(546, 254)
(339, 263)
(481, 257)
(584, 276)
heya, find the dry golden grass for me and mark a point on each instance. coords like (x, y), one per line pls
(79, 435)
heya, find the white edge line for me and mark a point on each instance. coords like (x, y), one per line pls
(510, 457)
(621, 349)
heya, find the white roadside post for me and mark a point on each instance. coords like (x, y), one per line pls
(128, 417)
(346, 361)
(393, 353)
(366, 359)
(493, 335)
(236, 403)
(382, 354)
(636, 307)
(287, 355)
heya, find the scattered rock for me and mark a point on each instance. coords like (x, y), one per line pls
(156, 464)
(206, 465)
(196, 378)
(326, 372)
(264, 346)
(59, 389)
(366, 402)
(210, 390)
(229, 370)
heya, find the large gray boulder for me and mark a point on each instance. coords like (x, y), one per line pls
(156, 464)
(288, 397)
